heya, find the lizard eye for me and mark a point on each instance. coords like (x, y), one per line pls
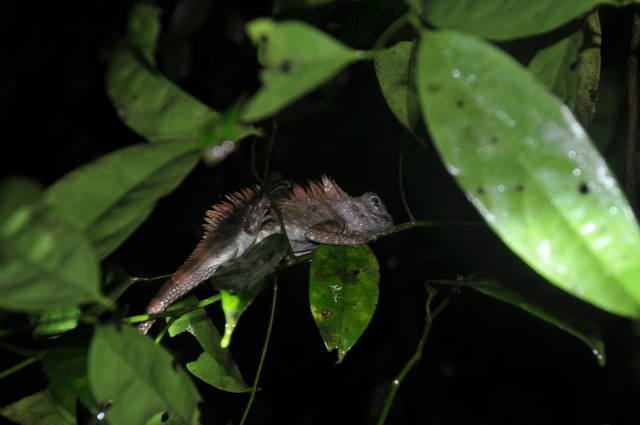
(374, 201)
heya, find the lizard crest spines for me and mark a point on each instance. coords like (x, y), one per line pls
(326, 189)
(218, 212)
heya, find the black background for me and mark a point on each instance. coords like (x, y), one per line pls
(485, 361)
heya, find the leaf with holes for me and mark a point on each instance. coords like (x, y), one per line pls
(530, 169)
(296, 58)
(111, 196)
(395, 68)
(343, 293)
(570, 68)
(125, 365)
(215, 366)
(505, 19)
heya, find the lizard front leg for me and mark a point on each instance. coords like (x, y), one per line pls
(333, 232)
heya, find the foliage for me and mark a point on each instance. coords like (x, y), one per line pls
(514, 137)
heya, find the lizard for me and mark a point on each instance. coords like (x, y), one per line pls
(319, 212)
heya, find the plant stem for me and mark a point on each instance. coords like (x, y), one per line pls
(20, 366)
(395, 384)
(632, 124)
(390, 31)
(254, 388)
(171, 313)
(18, 350)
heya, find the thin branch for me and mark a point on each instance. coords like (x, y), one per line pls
(632, 125)
(20, 366)
(171, 313)
(254, 388)
(390, 31)
(395, 384)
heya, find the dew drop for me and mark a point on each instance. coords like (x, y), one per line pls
(455, 73)
(572, 154)
(454, 171)
(501, 188)
(576, 172)
(613, 210)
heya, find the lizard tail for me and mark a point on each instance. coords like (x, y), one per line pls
(175, 287)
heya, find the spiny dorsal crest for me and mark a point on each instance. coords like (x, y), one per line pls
(224, 209)
(326, 189)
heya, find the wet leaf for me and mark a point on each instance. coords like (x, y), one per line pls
(45, 263)
(41, 408)
(395, 68)
(581, 328)
(296, 58)
(505, 19)
(530, 170)
(234, 304)
(215, 366)
(125, 365)
(570, 68)
(111, 196)
(149, 103)
(343, 293)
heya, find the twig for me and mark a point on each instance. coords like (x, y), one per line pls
(171, 313)
(395, 384)
(632, 93)
(20, 366)
(254, 388)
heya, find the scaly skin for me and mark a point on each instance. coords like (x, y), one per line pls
(318, 213)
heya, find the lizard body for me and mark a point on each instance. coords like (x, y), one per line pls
(318, 213)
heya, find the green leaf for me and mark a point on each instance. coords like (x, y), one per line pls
(505, 19)
(395, 68)
(144, 30)
(297, 58)
(149, 103)
(15, 193)
(66, 369)
(343, 293)
(41, 408)
(233, 305)
(45, 263)
(215, 366)
(111, 196)
(125, 365)
(55, 321)
(530, 170)
(570, 68)
(583, 329)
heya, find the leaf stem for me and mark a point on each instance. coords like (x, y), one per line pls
(20, 366)
(254, 388)
(632, 123)
(395, 384)
(390, 31)
(171, 313)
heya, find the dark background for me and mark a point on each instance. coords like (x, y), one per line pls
(486, 361)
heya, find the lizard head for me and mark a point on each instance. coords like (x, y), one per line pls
(366, 214)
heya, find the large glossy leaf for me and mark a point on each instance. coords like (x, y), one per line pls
(581, 328)
(215, 366)
(138, 378)
(505, 19)
(296, 58)
(42, 408)
(150, 104)
(343, 293)
(45, 263)
(570, 68)
(111, 196)
(395, 68)
(530, 170)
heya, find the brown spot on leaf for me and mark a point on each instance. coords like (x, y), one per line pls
(519, 187)
(286, 66)
(584, 188)
(326, 313)
(480, 191)
(434, 88)
(460, 103)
